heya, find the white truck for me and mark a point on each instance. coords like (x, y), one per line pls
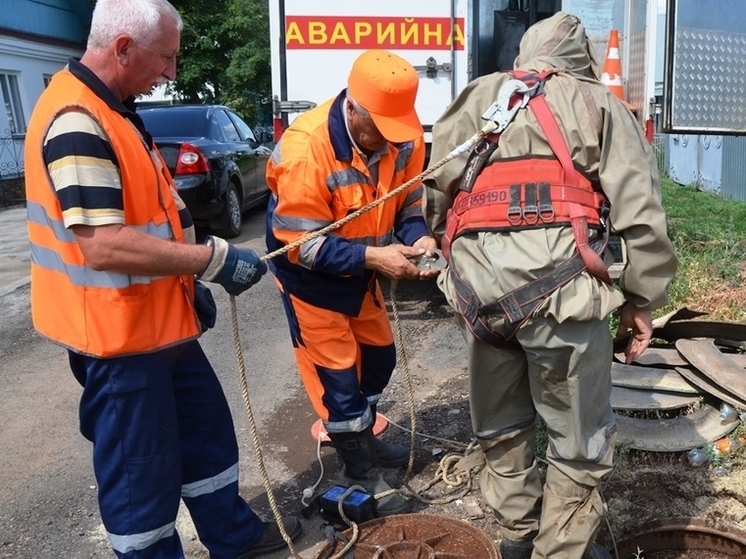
(314, 44)
(449, 42)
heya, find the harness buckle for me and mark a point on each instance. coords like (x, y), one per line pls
(515, 215)
(501, 112)
(546, 213)
(531, 214)
(514, 209)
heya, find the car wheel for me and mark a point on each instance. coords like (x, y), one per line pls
(231, 217)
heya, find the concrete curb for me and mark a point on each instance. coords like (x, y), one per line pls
(15, 285)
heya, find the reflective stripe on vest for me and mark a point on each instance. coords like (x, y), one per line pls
(79, 273)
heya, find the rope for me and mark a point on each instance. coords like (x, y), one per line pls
(254, 432)
(444, 472)
(456, 152)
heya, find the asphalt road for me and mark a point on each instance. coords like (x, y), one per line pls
(48, 506)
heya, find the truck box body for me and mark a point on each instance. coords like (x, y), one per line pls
(449, 42)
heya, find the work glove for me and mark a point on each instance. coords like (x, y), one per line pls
(204, 304)
(236, 269)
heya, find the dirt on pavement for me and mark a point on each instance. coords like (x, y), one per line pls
(47, 491)
(644, 487)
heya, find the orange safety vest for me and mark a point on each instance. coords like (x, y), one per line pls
(102, 313)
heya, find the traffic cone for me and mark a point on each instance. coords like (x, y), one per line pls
(612, 74)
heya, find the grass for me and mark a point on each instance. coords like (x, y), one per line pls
(709, 235)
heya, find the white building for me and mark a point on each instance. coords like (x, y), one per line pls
(36, 40)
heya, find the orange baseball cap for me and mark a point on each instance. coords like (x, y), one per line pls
(386, 86)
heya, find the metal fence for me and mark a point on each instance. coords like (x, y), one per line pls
(11, 169)
(11, 155)
(659, 147)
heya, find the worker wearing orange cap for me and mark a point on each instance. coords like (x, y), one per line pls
(332, 161)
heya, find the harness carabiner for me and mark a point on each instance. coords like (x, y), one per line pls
(501, 112)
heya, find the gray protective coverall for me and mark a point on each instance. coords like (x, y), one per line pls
(562, 369)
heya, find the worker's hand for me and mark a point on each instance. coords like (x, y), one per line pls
(236, 269)
(204, 304)
(426, 242)
(429, 244)
(393, 261)
(638, 325)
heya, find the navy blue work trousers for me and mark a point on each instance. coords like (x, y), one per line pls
(162, 431)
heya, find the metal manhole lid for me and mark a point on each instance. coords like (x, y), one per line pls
(418, 536)
(686, 534)
(675, 434)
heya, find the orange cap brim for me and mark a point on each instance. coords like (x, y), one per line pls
(398, 129)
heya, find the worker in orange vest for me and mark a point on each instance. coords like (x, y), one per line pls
(113, 281)
(333, 160)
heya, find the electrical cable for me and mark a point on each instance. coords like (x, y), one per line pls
(309, 491)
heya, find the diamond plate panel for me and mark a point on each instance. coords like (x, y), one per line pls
(637, 52)
(709, 80)
(636, 81)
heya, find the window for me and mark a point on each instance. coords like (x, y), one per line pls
(229, 131)
(47, 78)
(246, 133)
(11, 98)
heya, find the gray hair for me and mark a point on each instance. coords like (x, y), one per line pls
(359, 109)
(140, 19)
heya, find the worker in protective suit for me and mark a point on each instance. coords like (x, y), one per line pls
(525, 223)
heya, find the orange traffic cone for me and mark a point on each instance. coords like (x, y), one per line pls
(612, 74)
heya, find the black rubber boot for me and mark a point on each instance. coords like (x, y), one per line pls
(272, 540)
(596, 552)
(361, 468)
(514, 549)
(389, 455)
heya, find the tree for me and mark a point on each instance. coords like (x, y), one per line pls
(225, 54)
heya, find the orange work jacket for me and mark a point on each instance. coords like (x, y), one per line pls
(317, 178)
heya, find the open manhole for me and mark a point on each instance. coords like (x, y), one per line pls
(416, 536)
(693, 537)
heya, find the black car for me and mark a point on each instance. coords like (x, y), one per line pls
(216, 160)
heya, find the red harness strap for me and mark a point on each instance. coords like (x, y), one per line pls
(529, 192)
(578, 219)
(546, 192)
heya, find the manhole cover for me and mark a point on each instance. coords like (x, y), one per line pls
(682, 534)
(417, 536)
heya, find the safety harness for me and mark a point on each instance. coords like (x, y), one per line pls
(525, 193)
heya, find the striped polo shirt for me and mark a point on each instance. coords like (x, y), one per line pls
(83, 164)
